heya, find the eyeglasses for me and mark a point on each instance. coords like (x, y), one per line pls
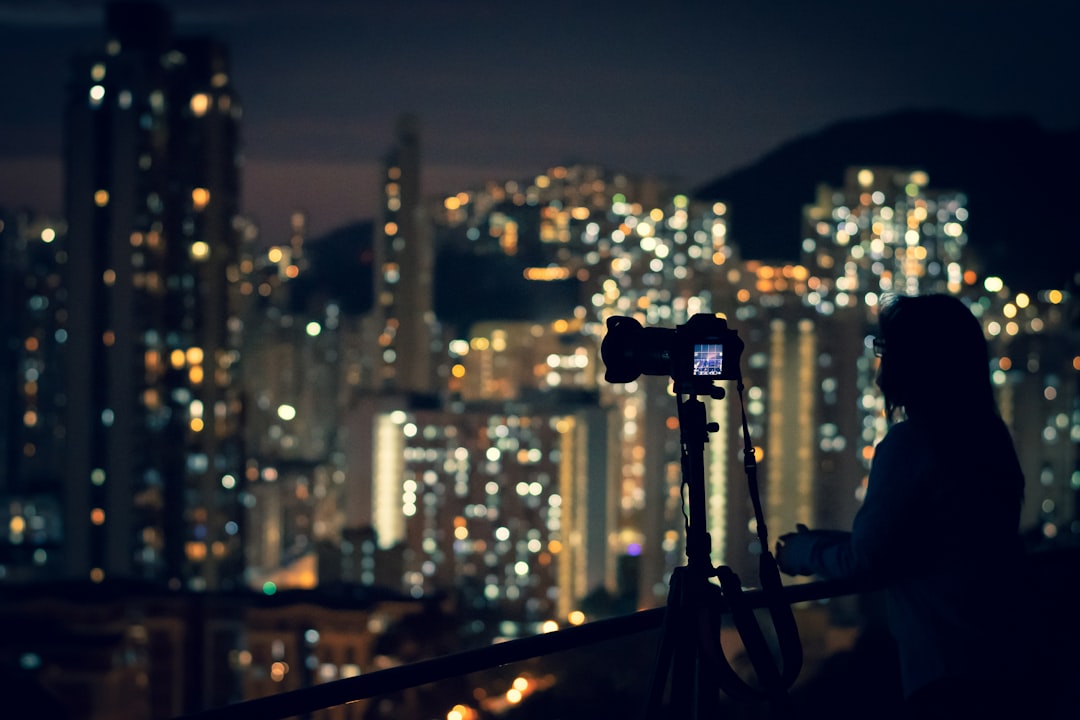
(879, 346)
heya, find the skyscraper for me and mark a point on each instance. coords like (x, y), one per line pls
(152, 142)
(33, 328)
(404, 316)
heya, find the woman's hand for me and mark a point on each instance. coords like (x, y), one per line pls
(795, 551)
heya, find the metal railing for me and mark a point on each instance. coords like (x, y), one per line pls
(307, 700)
(1058, 569)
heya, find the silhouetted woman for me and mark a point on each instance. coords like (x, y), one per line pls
(940, 519)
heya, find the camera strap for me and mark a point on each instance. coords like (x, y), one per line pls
(774, 681)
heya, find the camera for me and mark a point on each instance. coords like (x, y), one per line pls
(704, 348)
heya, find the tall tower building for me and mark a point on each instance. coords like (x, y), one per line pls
(404, 315)
(154, 462)
(33, 331)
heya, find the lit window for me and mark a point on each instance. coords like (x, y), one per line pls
(200, 198)
(200, 103)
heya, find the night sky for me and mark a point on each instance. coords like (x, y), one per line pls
(503, 90)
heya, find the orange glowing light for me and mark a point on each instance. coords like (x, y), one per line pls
(200, 198)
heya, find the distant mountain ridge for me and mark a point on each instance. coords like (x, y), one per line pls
(1022, 184)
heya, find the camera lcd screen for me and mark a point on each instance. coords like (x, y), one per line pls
(708, 359)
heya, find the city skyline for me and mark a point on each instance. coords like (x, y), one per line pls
(505, 92)
(191, 414)
(224, 480)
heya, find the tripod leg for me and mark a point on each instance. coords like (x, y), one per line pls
(702, 695)
(682, 671)
(665, 656)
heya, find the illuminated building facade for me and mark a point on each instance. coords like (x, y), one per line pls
(34, 329)
(477, 497)
(293, 478)
(293, 485)
(1036, 369)
(154, 459)
(512, 360)
(886, 231)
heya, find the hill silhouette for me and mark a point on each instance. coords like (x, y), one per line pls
(1020, 181)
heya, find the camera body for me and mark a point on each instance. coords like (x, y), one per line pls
(703, 349)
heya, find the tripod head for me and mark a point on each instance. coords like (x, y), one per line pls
(699, 387)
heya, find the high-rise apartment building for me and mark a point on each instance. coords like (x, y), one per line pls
(152, 189)
(1036, 369)
(508, 504)
(33, 397)
(403, 323)
(885, 231)
(295, 396)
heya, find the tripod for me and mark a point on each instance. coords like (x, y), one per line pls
(691, 673)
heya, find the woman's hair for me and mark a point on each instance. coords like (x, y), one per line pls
(934, 358)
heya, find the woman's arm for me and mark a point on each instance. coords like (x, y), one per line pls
(885, 526)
